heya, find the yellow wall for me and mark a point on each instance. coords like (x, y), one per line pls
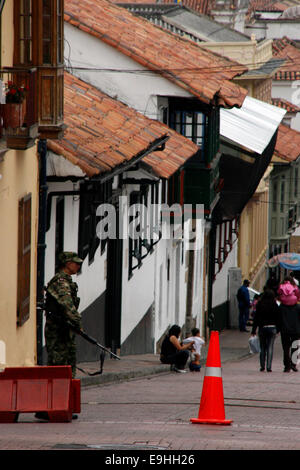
(19, 172)
(19, 176)
(253, 239)
(250, 53)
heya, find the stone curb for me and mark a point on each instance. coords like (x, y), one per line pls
(120, 376)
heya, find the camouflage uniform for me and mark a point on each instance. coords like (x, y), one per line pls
(61, 309)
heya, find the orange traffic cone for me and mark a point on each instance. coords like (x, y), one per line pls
(211, 409)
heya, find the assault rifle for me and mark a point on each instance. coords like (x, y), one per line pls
(88, 338)
(95, 342)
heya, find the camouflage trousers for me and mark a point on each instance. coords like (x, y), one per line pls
(61, 346)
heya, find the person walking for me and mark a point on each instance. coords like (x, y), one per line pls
(172, 352)
(266, 318)
(62, 313)
(288, 291)
(272, 283)
(289, 296)
(244, 304)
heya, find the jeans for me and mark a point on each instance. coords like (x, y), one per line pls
(243, 317)
(179, 359)
(267, 336)
(287, 341)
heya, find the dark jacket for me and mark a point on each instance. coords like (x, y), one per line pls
(243, 297)
(267, 313)
(290, 319)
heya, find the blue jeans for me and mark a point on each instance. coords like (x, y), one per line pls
(267, 337)
(243, 317)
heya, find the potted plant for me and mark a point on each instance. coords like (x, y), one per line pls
(14, 108)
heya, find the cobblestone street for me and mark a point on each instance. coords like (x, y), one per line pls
(154, 412)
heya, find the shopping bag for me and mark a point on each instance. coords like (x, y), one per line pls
(254, 344)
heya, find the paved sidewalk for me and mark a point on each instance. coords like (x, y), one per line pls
(233, 346)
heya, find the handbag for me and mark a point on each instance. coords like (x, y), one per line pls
(254, 344)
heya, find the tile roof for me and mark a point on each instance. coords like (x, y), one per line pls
(103, 134)
(287, 144)
(284, 48)
(201, 6)
(204, 74)
(281, 103)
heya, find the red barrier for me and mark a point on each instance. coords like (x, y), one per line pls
(41, 388)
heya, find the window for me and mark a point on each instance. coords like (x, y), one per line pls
(38, 32)
(282, 194)
(198, 122)
(24, 260)
(296, 175)
(38, 42)
(47, 32)
(25, 32)
(191, 124)
(274, 196)
(59, 229)
(87, 237)
(88, 240)
(140, 242)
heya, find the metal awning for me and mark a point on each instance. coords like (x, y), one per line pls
(253, 125)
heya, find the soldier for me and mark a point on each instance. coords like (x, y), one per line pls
(61, 312)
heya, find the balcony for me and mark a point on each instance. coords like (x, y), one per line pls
(19, 126)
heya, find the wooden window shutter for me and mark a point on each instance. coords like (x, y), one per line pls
(24, 258)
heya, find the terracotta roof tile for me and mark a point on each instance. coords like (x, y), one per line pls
(288, 143)
(201, 72)
(281, 103)
(201, 6)
(284, 48)
(102, 134)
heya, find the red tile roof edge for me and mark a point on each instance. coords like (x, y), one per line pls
(217, 96)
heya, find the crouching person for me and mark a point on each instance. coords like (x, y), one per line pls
(172, 352)
(198, 342)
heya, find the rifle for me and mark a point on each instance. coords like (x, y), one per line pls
(93, 341)
(90, 340)
(102, 354)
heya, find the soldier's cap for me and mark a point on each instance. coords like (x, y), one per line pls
(66, 256)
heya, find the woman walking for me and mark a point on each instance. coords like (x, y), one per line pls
(267, 320)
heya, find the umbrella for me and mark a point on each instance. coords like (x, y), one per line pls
(289, 261)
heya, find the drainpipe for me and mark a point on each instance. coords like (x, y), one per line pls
(41, 246)
(211, 274)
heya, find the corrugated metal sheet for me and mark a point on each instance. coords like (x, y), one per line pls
(251, 126)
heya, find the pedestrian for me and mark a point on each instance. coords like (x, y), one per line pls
(174, 353)
(289, 295)
(194, 364)
(244, 304)
(272, 283)
(288, 292)
(62, 313)
(266, 318)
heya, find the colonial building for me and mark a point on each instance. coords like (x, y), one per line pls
(31, 108)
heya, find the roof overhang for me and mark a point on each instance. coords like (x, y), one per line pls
(252, 126)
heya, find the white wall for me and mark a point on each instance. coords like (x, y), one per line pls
(92, 279)
(290, 91)
(274, 29)
(137, 90)
(140, 91)
(220, 286)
